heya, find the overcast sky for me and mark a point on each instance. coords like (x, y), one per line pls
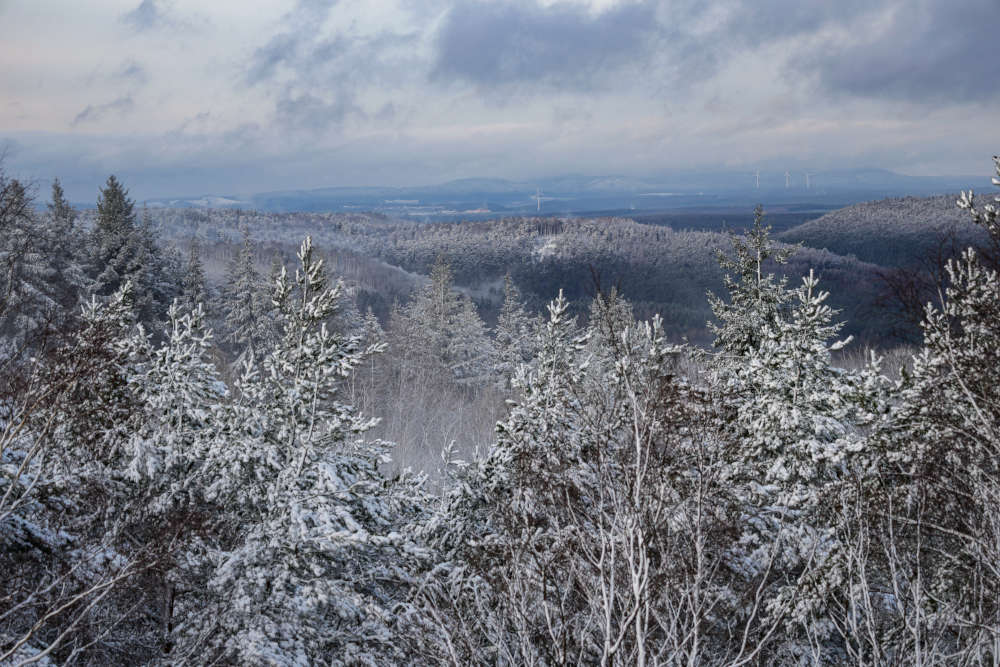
(184, 97)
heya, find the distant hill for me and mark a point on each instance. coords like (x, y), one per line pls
(659, 269)
(889, 232)
(590, 196)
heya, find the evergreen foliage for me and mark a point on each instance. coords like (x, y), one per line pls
(243, 297)
(440, 328)
(756, 297)
(937, 478)
(193, 286)
(315, 516)
(65, 253)
(113, 238)
(795, 425)
(513, 336)
(27, 305)
(122, 249)
(638, 502)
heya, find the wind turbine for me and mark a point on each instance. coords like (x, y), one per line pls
(538, 199)
(758, 179)
(808, 184)
(788, 180)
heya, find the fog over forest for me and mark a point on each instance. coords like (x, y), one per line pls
(593, 332)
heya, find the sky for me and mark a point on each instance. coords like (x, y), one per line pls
(188, 97)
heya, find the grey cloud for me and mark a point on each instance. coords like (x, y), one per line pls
(193, 125)
(756, 23)
(312, 11)
(315, 79)
(311, 65)
(266, 59)
(151, 15)
(93, 113)
(313, 61)
(495, 44)
(244, 136)
(386, 113)
(927, 50)
(146, 16)
(930, 52)
(314, 114)
(133, 73)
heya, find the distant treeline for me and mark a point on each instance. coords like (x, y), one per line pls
(658, 268)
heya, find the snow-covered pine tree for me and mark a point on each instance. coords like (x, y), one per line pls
(440, 332)
(597, 530)
(154, 472)
(134, 425)
(27, 306)
(756, 297)
(170, 443)
(307, 575)
(244, 297)
(481, 602)
(82, 427)
(193, 285)
(59, 208)
(158, 286)
(64, 242)
(610, 316)
(365, 377)
(938, 499)
(179, 391)
(110, 239)
(514, 335)
(122, 249)
(795, 423)
(469, 347)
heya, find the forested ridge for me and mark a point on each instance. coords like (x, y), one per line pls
(890, 232)
(658, 269)
(511, 442)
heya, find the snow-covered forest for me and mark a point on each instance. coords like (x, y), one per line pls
(246, 462)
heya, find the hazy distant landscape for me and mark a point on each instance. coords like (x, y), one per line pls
(712, 194)
(662, 262)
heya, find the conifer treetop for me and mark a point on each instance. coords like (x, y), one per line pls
(756, 298)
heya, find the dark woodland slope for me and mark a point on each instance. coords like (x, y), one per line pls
(657, 268)
(889, 232)
(660, 270)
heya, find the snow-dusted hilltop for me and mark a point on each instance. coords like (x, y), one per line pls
(890, 232)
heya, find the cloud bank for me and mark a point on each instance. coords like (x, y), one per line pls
(415, 91)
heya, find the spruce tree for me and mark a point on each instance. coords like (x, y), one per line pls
(795, 425)
(307, 579)
(27, 303)
(114, 247)
(595, 530)
(123, 249)
(514, 335)
(59, 208)
(161, 286)
(756, 297)
(441, 329)
(244, 297)
(63, 239)
(193, 286)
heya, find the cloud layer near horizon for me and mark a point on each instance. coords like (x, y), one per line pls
(185, 97)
